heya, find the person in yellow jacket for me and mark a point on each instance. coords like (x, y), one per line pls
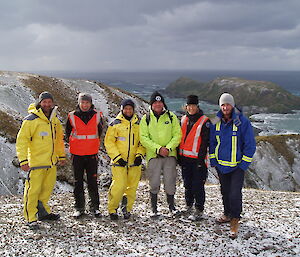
(123, 147)
(39, 148)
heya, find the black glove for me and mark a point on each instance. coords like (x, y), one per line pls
(122, 162)
(138, 161)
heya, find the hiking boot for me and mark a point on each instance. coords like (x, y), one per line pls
(78, 214)
(113, 216)
(126, 215)
(223, 219)
(50, 216)
(234, 227)
(97, 214)
(33, 225)
(197, 215)
(153, 198)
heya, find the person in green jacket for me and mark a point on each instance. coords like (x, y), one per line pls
(160, 134)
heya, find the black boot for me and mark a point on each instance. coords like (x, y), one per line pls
(171, 203)
(126, 214)
(153, 198)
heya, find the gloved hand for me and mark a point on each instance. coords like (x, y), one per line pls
(138, 161)
(122, 162)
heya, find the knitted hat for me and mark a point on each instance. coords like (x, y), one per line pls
(192, 99)
(127, 102)
(157, 97)
(84, 97)
(45, 95)
(226, 99)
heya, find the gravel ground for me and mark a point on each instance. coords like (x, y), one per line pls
(270, 227)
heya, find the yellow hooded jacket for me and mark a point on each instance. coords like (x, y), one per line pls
(122, 139)
(40, 140)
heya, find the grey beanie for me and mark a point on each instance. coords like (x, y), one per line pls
(226, 99)
(84, 97)
(45, 95)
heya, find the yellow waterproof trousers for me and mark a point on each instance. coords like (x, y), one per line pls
(124, 183)
(38, 187)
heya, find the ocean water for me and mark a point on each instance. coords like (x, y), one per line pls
(145, 83)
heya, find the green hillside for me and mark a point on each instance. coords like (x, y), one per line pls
(260, 96)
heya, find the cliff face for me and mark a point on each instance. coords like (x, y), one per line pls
(276, 164)
(254, 96)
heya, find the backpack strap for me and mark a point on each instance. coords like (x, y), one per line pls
(148, 117)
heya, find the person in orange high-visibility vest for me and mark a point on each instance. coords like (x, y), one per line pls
(83, 130)
(192, 155)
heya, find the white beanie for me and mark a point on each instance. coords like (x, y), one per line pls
(226, 99)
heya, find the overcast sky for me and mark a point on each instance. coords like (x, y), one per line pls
(97, 35)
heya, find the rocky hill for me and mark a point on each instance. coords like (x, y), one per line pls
(270, 227)
(18, 90)
(254, 96)
(276, 164)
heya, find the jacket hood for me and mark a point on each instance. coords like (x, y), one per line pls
(236, 116)
(134, 118)
(39, 112)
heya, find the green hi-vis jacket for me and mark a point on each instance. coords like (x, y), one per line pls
(162, 132)
(40, 140)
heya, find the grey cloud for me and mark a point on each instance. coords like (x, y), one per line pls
(149, 34)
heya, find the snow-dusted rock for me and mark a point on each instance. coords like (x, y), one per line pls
(276, 164)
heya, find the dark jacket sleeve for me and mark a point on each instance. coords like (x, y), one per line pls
(204, 140)
(68, 130)
(100, 126)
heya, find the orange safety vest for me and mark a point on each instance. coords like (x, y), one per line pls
(84, 138)
(190, 144)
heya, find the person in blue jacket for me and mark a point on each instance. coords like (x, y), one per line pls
(232, 146)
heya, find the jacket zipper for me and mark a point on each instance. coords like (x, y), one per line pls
(129, 143)
(52, 143)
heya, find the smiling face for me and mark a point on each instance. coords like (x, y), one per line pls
(128, 110)
(85, 105)
(158, 107)
(47, 105)
(192, 109)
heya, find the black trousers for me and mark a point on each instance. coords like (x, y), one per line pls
(88, 164)
(231, 190)
(194, 176)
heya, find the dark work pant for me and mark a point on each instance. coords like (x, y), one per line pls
(89, 164)
(231, 190)
(194, 176)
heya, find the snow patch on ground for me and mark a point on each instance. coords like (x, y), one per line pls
(269, 228)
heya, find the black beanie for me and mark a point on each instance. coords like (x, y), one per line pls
(156, 96)
(192, 99)
(127, 102)
(45, 95)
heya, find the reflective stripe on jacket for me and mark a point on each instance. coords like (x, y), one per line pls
(232, 144)
(84, 138)
(190, 143)
(40, 140)
(122, 139)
